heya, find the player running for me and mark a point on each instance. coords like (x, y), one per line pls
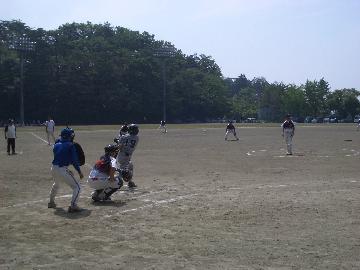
(230, 128)
(127, 145)
(288, 131)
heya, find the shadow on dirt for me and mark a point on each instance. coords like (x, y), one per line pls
(111, 203)
(64, 213)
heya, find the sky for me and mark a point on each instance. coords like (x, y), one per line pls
(287, 41)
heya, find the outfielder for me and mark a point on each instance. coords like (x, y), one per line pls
(127, 145)
(230, 128)
(288, 131)
(64, 155)
(102, 177)
(50, 128)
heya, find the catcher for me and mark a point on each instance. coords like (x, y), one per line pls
(102, 177)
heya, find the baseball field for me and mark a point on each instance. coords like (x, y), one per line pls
(201, 202)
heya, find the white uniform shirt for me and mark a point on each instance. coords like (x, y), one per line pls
(50, 126)
(11, 132)
(128, 143)
(96, 174)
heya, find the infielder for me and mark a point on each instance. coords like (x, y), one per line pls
(65, 155)
(50, 129)
(288, 131)
(230, 128)
(163, 126)
(127, 145)
(102, 177)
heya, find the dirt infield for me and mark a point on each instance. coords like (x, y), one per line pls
(202, 203)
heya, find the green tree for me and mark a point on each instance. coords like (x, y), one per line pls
(271, 101)
(293, 100)
(344, 102)
(315, 96)
(244, 104)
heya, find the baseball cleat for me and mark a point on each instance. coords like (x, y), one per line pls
(51, 205)
(95, 197)
(74, 209)
(131, 184)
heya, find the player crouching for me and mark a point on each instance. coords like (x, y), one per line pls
(102, 177)
(230, 128)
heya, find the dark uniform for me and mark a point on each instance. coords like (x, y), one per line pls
(230, 128)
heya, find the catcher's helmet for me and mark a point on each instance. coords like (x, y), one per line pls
(111, 148)
(133, 129)
(67, 134)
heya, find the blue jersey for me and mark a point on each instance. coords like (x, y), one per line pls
(65, 155)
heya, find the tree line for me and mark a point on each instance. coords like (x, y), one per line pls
(271, 101)
(85, 73)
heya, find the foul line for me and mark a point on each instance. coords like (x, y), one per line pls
(87, 197)
(33, 202)
(36, 136)
(154, 204)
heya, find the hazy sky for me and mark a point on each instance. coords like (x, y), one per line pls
(281, 40)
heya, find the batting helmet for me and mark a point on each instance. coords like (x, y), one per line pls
(133, 129)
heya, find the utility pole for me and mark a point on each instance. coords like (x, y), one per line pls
(164, 53)
(23, 45)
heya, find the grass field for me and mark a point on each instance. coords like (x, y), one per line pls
(201, 202)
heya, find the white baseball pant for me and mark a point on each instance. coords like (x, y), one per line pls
(63, 174)
(50, 134)
(288, 134)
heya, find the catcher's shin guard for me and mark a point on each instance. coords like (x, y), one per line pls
(109, 192)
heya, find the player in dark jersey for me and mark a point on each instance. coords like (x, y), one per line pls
(230, 128)
(162, 126)
(288, 132)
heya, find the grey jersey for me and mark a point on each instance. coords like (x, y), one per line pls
(128, 144)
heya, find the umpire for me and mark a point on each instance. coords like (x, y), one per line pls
(65, 155)
(10, 136)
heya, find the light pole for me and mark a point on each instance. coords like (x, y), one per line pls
(22, 45)
(163, 53)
